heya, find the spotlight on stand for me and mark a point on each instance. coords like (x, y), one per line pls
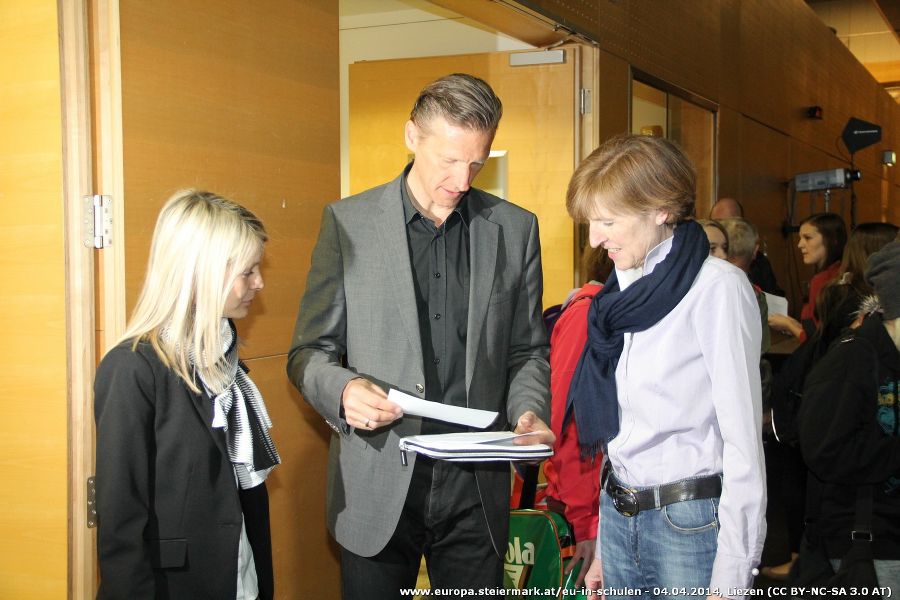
(858, 134)
(889, 158)
(818, 181)
(825, 180)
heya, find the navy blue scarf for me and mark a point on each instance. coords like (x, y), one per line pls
(592, 393)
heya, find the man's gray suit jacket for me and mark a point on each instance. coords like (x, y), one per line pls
(358, 318)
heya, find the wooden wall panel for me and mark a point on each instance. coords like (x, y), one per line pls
(537, 130)
(254, 119)
(511, 20)
(728, 143)
(814, 86)
(891, 205)
(304, 553)
(764, 159)
(729, 54)
(657, 44)
(614, 94)
(766, 59)
(582, 16)
(868, 192)
(33, 391)
(765, 74)
(245, 102)
(650, 35)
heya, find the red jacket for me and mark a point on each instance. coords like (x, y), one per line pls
(569, 479)
(818, 281)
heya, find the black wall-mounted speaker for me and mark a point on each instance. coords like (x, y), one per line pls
(859, 134)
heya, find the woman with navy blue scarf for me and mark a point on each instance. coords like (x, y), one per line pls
(668, 385)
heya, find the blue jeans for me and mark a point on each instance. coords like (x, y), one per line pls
(666, 553)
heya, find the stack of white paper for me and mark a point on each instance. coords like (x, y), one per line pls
(475, 446)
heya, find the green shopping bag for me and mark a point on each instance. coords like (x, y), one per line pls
(540, 547)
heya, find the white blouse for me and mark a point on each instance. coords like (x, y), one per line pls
(690, 404)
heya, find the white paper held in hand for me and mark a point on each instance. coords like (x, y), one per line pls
(473, 417)
(777, 305)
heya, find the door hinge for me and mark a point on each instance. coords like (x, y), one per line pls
(97, 222)
(584, 101)
(91, 502)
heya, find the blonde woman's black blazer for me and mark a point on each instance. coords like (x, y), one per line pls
(168, 506)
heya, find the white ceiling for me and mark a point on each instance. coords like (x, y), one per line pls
(861, 27)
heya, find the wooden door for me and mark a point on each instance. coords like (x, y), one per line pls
(538, 134)
(242, 101)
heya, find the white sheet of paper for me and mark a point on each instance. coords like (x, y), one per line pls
(777, 304)
(473, 417)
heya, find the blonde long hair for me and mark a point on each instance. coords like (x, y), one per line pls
(201, 243)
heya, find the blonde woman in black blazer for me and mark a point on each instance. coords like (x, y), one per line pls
(183, 448)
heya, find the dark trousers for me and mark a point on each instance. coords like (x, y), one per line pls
(455, 542)
(255, 506)
(793, 494)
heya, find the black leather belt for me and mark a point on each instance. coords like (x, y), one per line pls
(630, 501)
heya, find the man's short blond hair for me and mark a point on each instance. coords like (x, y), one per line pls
(463, 100)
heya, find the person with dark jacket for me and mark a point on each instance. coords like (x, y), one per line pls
(849, 427)
(183, 447)
(836, 307)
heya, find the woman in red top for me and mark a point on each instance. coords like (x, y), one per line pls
(573, 484)
(822, 240)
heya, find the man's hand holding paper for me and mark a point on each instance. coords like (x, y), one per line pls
(471, 417)
(366, 406)
(531, 423)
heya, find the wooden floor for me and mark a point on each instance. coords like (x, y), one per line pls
(422, 582)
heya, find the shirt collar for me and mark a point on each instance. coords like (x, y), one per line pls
(410, 212)
(654, 257)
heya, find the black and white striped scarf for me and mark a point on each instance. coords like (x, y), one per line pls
(239, 410)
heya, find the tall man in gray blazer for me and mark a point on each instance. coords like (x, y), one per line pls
(432, 287)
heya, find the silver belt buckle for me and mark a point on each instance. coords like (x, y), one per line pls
(624, 500)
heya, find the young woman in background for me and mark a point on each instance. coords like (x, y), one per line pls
(822, 240)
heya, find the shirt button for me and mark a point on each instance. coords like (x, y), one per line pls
(420, 388)
(437, 275)
(437, 361)
(437, 316)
